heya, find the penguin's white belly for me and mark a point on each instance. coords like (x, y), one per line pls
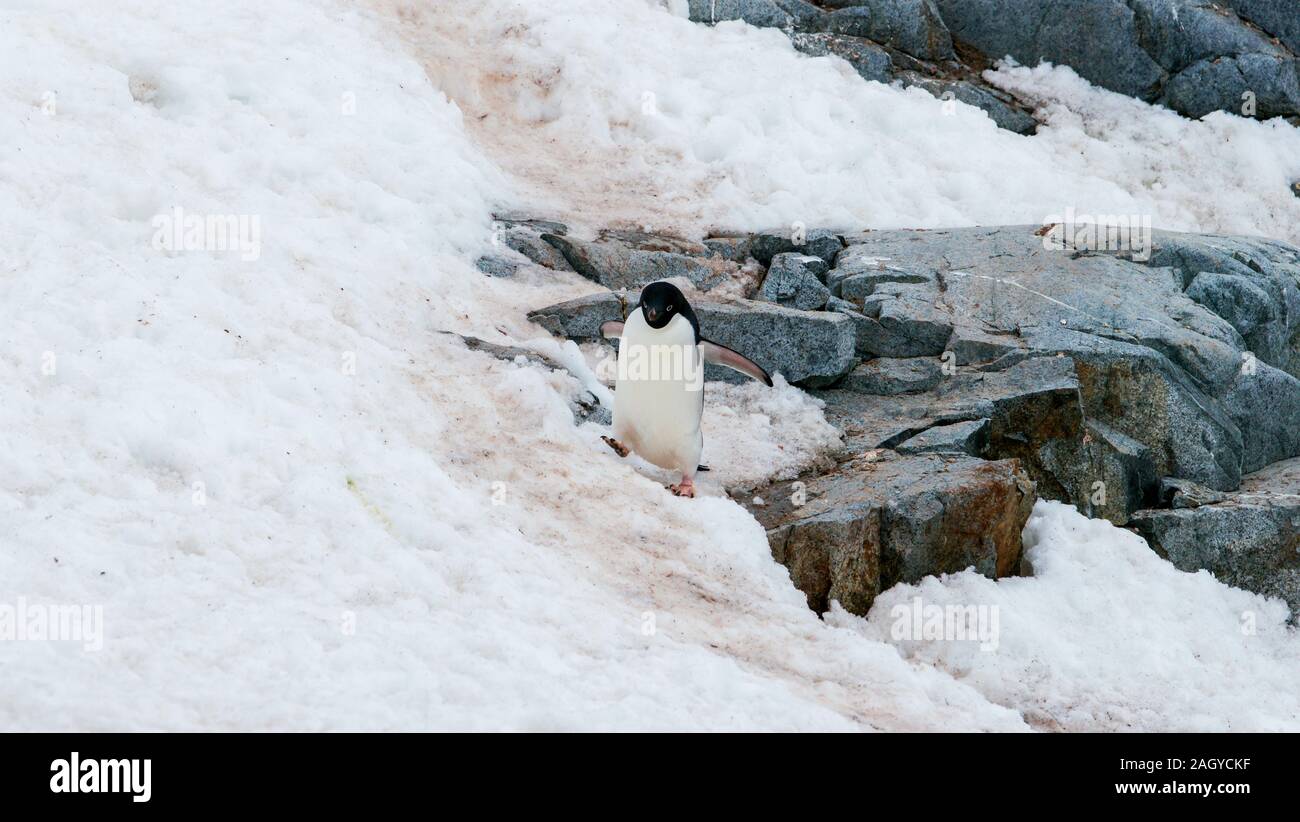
(660, 394)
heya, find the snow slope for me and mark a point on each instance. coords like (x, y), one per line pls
(615, 110)
(302, 503)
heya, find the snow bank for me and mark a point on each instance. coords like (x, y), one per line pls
(617, 110)
(1108, 636)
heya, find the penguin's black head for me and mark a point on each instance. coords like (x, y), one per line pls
(661, 301)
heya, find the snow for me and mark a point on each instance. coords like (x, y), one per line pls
(613, 109)
(1108, 636)
(302, 503)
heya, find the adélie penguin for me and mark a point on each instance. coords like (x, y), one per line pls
(659, 395)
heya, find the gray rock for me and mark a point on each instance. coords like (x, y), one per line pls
(1179, 493)
(887, 376)
(874, 522)
(1221, 83)
(518, 219)
(970, 438)
(792, 281)
(737, 248)
(1155, 364)
(1191, 55)
(810, 348)
(527, 241)
(768, 13)
(969, 344)
(869, 60)
(998, 105)
(1277, 18)
(617, 264)
(583, 404)
(1097, 38)
(496, 265)
(819, 242)
(912, 26)
(580, 319)
(1250, 539)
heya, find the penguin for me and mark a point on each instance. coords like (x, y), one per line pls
(659, 394)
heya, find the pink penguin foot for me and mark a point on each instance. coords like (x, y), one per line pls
(685, 488)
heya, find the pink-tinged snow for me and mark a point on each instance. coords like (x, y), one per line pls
(302, 503)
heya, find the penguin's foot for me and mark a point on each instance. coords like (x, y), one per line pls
(685, 488)
(619, 448)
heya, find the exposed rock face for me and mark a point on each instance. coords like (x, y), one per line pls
(911, 26)
(810, 348)
(1193, 56)
(1250, 539)
(871, 523)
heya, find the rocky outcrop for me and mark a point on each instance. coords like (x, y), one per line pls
(1147, 377)
(1193, 56)
(886, 518)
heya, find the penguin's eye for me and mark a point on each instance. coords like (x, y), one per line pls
(670, 309)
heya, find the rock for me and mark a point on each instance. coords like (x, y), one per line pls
(872, 523)
(970, 438)
(969, 344)
(1250, 539)
(616, 263)
(737, 249)
(1155, 365)
(792, 281)
(999, 105)
(517, 219)
(859, 263)
(868, 59)
(584, 404)
(581, 318)
(887, 376)
(769, 13)
(528, 242)
(1276, 18)
(1178, 493)
(912, 26)
(1097, 38)
(819, 242)
(1222, 83)
(809, 348)
(1188, 54)
(496, 265)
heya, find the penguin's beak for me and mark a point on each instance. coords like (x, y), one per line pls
(651, 315)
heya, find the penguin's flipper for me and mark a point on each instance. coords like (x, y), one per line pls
(721, 355)
(611, 330)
